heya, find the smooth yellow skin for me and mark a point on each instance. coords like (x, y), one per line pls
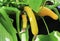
(24, 20)
(33, 23)
(47, 12)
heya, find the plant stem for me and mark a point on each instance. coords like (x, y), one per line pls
(45, 25)
(17, 21)
(25, 35)
(44, 3)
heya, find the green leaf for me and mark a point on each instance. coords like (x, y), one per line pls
(35, 4)
(7, 19)
(4, 35)
(17, 14)
(54, 36)
(8, 24)
(8, 28)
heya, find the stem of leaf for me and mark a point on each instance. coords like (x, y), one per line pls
(44, 3)
(45, 25)
(17, 22)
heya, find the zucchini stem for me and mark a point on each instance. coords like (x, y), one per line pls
(45, 25)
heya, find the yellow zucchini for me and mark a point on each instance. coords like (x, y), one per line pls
(24, 20)
(33, 23)
(47, 12)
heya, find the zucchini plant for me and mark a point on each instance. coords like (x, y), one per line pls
(25, 12)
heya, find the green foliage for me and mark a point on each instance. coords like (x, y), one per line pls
(4, 35)
(53, 36)
(8, 31)
(35, 5)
